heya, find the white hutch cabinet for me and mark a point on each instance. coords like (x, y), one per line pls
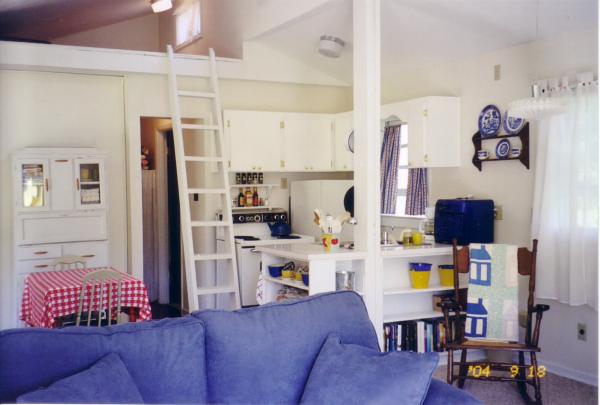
(60, 208)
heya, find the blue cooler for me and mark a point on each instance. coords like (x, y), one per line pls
(469, 221)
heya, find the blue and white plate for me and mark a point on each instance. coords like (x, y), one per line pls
(489, 121)
(503, 149)
(512, 125)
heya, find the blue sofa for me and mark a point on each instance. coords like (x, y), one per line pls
(257, 355)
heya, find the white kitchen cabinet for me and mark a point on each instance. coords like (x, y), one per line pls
(343, 125)
(90, 190)
(255, 140)
(31, 184)
(63, 184)
(308, 142)
(434, 132)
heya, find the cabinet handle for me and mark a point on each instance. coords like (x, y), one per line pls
(40, 266)
(425, 157)
(77, 183)
(41, 252)
(46, 184)
(88, 255)
(61, 160)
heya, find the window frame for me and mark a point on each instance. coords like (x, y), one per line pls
(194, 38)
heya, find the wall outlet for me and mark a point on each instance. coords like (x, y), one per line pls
(498, 213)
(283, 183)
(582, 331)
(497, 72)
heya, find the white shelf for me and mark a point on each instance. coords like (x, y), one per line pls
(410, 290)
(409, 316)
(288, 282)
(254, 185)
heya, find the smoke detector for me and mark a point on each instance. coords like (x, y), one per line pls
(331, 46)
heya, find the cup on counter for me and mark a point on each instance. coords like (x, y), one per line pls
(330, 241)
(483, 154)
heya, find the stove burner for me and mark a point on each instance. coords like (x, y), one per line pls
(245, 237)
(288, 237)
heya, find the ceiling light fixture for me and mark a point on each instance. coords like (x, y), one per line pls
(159, 6)
(331, 46)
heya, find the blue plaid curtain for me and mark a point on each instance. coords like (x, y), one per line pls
(390, 153)
(416, 193)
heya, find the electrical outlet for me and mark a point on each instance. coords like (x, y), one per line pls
(498, 213)
(497, 72)
(284, 183)
(582, 331)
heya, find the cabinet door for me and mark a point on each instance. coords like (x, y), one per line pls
(416, 118)
(254, 139)
(62, 181)
(307, 142)
(32, 185)
(89, 183)
(442, 132)
(343, 126)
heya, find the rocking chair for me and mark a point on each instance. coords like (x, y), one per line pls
(521, 373)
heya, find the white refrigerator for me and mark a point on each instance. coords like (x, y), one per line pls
(327, 195)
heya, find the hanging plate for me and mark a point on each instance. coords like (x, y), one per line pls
(350, 142)
(489, 121)
(512, 125)
(503, 149)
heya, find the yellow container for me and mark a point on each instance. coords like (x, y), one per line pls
(288, 273)
(419, 279)
(446, 272)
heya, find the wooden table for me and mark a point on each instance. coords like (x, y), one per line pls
(48, 296)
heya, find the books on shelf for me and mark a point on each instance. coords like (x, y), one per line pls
(421, 336)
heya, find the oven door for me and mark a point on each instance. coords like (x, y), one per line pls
(248, 261)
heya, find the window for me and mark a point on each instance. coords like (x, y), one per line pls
(188, 23)
(402, 171)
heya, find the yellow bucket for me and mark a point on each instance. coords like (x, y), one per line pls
(446, 272)
(419, 279)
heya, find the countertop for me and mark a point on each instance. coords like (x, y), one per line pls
(270, 240)
(310, 251)
(436, 249)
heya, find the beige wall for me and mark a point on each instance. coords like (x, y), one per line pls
(137, 34)
(509, 184)
(60, 110)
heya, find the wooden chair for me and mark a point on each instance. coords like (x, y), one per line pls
(69, 262)
(106, 280)
(453, 323)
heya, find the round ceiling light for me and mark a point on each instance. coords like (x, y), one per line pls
(160, 5)
(331, 46)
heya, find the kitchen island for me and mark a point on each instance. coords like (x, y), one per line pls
(321, 267)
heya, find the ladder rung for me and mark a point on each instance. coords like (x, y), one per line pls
(196, 94)
(211, 223)
(207, 191)
(200, 126)
(216, 290)
(203, 159)
(213, 256)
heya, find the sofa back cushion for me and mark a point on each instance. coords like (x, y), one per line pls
(265, 354)
(165, 358)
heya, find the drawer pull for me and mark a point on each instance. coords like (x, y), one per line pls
(41, 252)
(61, 160)
(88, 255)
(77, 184)
(40, 266)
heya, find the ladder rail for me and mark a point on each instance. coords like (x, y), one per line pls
(182, 183)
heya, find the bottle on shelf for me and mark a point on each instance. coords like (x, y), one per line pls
(255, 201)
(249, 198)
(241, 200)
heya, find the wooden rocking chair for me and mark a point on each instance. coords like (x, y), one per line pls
(520, 373)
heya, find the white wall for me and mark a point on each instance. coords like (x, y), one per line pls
(509, 184)
(60, 110)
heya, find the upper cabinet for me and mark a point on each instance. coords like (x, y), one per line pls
(307, 142)
(255, 140)
(90, 183)
(343, 158)
(434, 132)
(32, 184)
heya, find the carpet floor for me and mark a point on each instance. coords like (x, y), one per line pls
(556, 390)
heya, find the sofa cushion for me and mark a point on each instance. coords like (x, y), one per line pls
(106, 382)
(165, 358)
(352, 374)
(264, 354)
(441, 393)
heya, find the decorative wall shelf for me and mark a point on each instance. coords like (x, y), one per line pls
(523, 134)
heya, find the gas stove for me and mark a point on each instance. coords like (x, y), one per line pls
(260, 216)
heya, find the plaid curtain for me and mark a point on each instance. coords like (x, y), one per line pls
(416, 193)
(390, 153)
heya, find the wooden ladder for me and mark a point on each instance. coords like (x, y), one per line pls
(194, 291)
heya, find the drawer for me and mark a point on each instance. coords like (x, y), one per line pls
(55, 228)
(38, 252)
(35, 266)
(94, 253)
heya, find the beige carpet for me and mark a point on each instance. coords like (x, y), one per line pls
(556, 390)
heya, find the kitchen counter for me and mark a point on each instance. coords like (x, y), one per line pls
(310, 252)
(436, 249)
(271, 240)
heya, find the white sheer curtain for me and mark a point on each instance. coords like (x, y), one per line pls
(565, 206)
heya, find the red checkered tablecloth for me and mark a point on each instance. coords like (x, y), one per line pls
(52, 294)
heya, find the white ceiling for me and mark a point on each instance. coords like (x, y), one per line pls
(422, 32)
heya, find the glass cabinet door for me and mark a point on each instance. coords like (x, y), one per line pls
(90, 188)
(33, 176)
